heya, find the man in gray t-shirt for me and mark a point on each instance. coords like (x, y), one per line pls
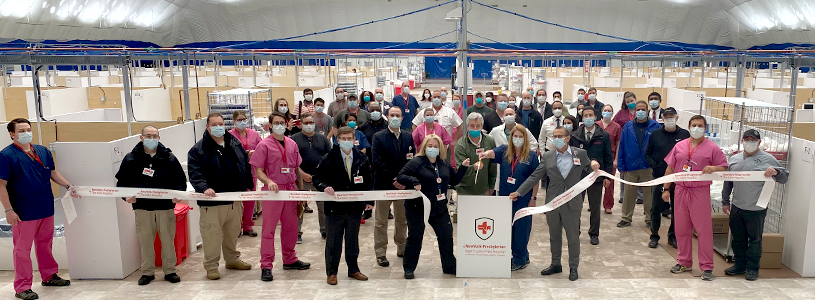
(312, 146)
(746, 217)
(322, 120)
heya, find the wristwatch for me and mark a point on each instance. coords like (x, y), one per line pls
(68, 186)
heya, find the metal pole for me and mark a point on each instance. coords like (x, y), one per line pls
(254, 72)
(35, 77)
(622, 67)
(783, 70)
(793, 82)
(662, 84)
(702, 80)
(185, 77)
(740, 74)
(128, 95)
(296, 71)
(461, 70)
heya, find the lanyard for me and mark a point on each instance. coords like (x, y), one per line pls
(32, 154)
(406, 101)
(244, 143)
(512, 170)
(282, 150)
(438, 177)
(690, 151)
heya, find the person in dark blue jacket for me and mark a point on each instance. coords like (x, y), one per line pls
(408, 104)
(631, 159)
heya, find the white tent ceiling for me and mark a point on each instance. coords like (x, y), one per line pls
(734, 23)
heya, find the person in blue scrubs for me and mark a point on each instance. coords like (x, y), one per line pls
(408, 104)
(361, 142)
(517, 164)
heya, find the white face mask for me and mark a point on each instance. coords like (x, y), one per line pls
(517, 141)
(309, 128)
(427, 95)
(379, 96)
(309, 97)
(541, 99)
(557, 112)
(697, 132)
(592, 97)
(282, 109)
(509, 120)
(670, 123)
(750, 147)
(489, 99)
(405, 90)
(340, 96)
(279, 129)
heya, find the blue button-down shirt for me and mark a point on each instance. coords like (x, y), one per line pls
(564, 161)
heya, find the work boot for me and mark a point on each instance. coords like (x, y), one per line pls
(735, 270)
(145, 280)
(55, 280)
(27, 295)
(239, 265)
(213, 274)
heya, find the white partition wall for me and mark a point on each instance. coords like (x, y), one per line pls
(103, 114)
(683, 99)
(149, 105)
(58, 102)
(798, 226)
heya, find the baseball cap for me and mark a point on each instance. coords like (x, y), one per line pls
(670, 110)
(751, 133)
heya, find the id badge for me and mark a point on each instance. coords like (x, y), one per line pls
(686, 168)
(356, 143)
(409, 156)
(285, 170)
(322, 132)
(576, 161)
(358, 180)
(511, 180)
(407, 111)
(440, 197)
(479, 151)
(148, 172)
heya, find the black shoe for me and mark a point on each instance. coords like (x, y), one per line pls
(594, 240)
(648, 223)
(250, 233)
(367, 214)
(623, 223)
(672, 242)
(172, 278)
(667, 213)
(752, 275)
(145, 280)
(55, 280)
(639, 201)
(322, 234)
(298, 265)
(266, 275)
(27, 295)
(573, 274)
(653, 243)
(735, 270)
(409, 275)
(299, 239)
(382, 261)
(390, 215)
(307, 209)
(552, 270)
(620, 201)
(400, 255)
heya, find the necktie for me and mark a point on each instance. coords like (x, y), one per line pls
(348, 166)
(558, 122)
(653, 114)
(588, 135)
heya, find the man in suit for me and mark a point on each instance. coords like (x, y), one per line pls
(558, 171)
(597, 144)
(392, 149)
(655, 113)
(528, 116)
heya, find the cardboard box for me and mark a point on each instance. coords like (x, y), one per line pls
(770, 260)
(772, 243)
(721, 223)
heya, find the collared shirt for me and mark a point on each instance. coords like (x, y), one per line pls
(564, 161)
(269, 155)
(445, 116)
(308, 108)
(590, 133)
(547, 130)
(347, 155)
(396, 132)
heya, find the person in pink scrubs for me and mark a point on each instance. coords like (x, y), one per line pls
(428, 127)
(276, 160)
(692, 202)
(249, 139)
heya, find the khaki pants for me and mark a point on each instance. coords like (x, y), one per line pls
(381, 226)
(630, 199)
(148, 222)
(220, 227)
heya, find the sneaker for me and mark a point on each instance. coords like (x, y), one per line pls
(266, 275)
(623, 223)
(639, 201)
(55, 280)
(594, 240)
(409, 275)
(213, 274)
(679, 269)
(307, 209)
(382, 261)
(172, 278)
(239, 265)
(735, 270)
(752, 275)
(250, 233)
(653, 243)
(707, 275)
(299, 239)
(145, 280)
(516, 267)
(27, 295)
(298, 265)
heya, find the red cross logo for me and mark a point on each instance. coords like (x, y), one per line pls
(484, 227)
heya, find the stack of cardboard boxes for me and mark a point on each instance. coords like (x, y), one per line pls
(772, 246)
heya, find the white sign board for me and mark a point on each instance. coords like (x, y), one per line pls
(484, 241)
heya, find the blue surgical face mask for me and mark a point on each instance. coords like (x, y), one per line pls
(151, 144)
(319, 109)
(242, 124)
(479, 101)
(352, 124)
(431, 152)
(631, 105)
(444, 94)
(568, 127)
(353, 104)
(559, 143)
(376, 116)
(456, 103)
(436, 101)
(641, 115)
(429, 119)
(217, 131)
(25, 137)
(346, 145)
(503, 105)
(589, 122)
(606, 115)
(653, 103)
(475, 133)
(366, 98)
(395, 122)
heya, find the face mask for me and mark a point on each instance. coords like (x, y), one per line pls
(489, 99)
(395, 122)
(653, 103)
(697, 132)
(242, 124)
(541, 99)
(750, 147)
(557, 98)
(431, 152)
(429, 119)
(444, 94)
(352, 124)
(579, 112)
(426, 96)
(631, 105)
(340, 96)
(581, 96)
(509, 120)
(366, 98)
(592, 97)
(151, 144)
(589, 122)
(376, 116)
(479, 101)
(512, 102)
(559, 143)
(557, 112)
(309, 128)
(279, 129)
(25, 137)
(282, 109)
(217, 131)
(527, 102)
(379, 97)
(475, 133)
(670, 123)
(346, 145)
(641, 115)
(309, 97)
(405, 90)
(318, 109)
(568, 127)
(502, 105)
(456, 103)
(518, 142)
(436, 102)
(353, 104)
(606, 115)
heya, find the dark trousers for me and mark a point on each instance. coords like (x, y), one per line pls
(747, 227)
(658, 206)
(443, 228)
(521, 231)
(595, 195)
(336, 227)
